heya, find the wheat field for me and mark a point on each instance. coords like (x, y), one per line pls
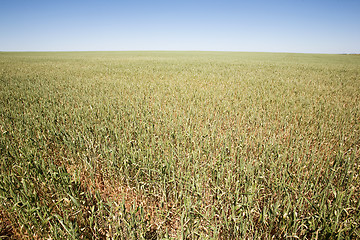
(179, 145)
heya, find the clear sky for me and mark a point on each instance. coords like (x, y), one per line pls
(310, 26)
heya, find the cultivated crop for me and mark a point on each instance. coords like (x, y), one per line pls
(179, 145)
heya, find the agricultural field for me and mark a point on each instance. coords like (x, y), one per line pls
(179, 145)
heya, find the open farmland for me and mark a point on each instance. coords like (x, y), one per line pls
(179, 145)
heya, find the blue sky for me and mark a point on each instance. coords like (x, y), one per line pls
(310, 26)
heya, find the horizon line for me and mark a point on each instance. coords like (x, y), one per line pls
(228, 51)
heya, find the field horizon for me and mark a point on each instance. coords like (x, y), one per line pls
(170, 51)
